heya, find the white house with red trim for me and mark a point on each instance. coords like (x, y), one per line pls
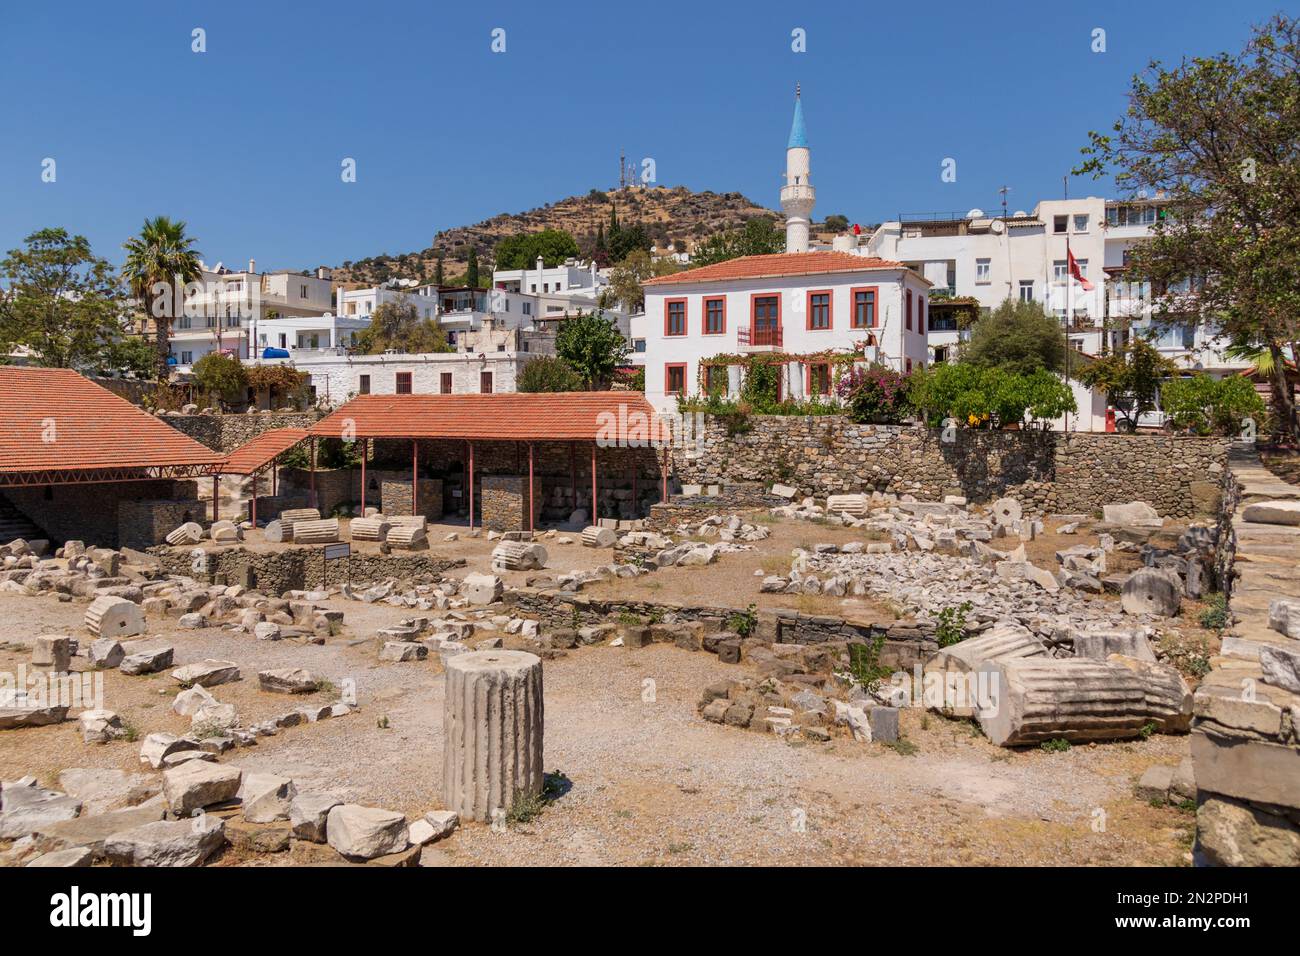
(800, 303)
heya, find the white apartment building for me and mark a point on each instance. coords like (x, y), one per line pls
(801, 303)
(219, 312)
(361, 303)
(991, 258)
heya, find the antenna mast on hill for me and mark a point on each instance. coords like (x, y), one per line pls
(622, 170)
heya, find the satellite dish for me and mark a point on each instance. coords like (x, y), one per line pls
(998, 226)
(975, 214)
(1020, 214)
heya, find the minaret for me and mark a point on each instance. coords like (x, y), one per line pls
(797, 195)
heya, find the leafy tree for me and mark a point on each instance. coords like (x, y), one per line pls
(758, 237)
(61, 300)
(623, 241)
(625, 279)
(222, 376)
(398, 326)
(1130, 377)
(1016, 337)
(987, 397)
(548, 374)
(592, 346)
(471, 269)
(520, 251)
(1208, 405)
(1219, 135)
(128, 353)
(158, 261)
(836, 223)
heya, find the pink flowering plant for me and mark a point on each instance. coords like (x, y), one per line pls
(875, 394)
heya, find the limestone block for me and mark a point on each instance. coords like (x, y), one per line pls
(369, 529)
(408, 537)
(596, 537)
(52, 651)
(481, 588)
(1152, 591)
(110, 616)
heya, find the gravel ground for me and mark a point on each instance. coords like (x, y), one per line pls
(650, 782)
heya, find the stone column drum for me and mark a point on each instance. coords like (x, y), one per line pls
(492, 722)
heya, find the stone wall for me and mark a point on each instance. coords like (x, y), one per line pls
(905, 644)
(505, 503)
(395, 497)
(109, 514)
(1047, 471)
(227, 432)
(302, 568)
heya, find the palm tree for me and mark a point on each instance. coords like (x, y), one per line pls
(159, 262)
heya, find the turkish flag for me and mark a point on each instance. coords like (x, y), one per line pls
(1077, 273)
(857, 230)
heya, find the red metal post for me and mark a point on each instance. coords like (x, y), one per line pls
(530, 487)
(635, 500)
(216, 495)
(471, 486)
(593, 482)
(415, 476)
(364, 443)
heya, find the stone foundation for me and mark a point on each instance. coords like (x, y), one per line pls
(395, 498)
(303, 568)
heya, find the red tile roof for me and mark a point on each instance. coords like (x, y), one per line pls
(515, 416)
(778, 264)
(56, 421)
(254, 455)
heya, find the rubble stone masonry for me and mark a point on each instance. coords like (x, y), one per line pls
(1047, 471)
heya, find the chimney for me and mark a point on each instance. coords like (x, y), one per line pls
(252, 265)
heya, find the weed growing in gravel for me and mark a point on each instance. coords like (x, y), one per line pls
(864, 664)
(528, 806)
(207, 728)
(130, 732)
(1147, 730)
(1057, 745)
(382, 722)
(325, 686)
(1215, 615)
(903, 747)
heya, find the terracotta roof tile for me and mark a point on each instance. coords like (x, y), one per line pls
(776, 265)
(517, 416)
(255, 454)
(55, 420)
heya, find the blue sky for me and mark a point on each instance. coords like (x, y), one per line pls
(245, 141)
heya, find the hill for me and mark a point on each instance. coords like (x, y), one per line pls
(673, 217)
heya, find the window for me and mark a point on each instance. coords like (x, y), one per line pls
(675, 317)
(907, 312)
(183, 322)
(1026, 290)
(1081, 223)
(444, 383)
(675, 379)
(983, 271)
(864, 308)
(1060, 270)
(940, 355)
(1060, 224)
(638, 345)
(302, 292)
(920, 314)
(715, 376)
(909, 366)
(715, 315)
(819, 378)
(403, 383)
(485, 382)
(819, 310)
(1083, 267)
(187, 358)
(528, 308)
(363, 385)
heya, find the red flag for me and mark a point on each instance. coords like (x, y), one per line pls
(857, 230)
(1077, 273)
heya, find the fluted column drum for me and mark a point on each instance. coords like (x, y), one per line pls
(492, 722)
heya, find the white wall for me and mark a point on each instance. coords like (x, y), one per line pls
(897, 344)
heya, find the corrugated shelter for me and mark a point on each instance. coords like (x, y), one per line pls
(604, 419)
(58, 427)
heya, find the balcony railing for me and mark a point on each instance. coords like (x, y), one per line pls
(758, 337)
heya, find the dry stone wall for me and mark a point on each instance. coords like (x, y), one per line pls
(1046, 471)
(294, 568)
(228, 432)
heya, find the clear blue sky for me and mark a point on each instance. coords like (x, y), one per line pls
(245, 141)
